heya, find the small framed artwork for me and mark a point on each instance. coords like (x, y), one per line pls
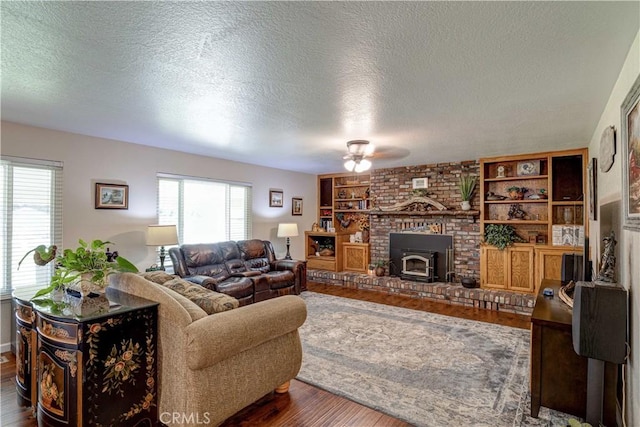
(276, 198)
(420, 183)
(630, 144)
(528, 168)
(112, 196)
(592, 169)
(296, 206)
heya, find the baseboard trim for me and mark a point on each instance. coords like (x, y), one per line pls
(5, 347)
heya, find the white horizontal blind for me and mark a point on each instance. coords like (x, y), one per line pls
(204, 210)
(31, 213)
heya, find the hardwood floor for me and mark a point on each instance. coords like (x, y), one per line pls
(304, 405)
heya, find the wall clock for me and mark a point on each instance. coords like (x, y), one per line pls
(607, 148)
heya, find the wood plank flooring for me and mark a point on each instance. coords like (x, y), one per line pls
(304, 405)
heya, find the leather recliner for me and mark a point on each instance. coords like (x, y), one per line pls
(247, 269)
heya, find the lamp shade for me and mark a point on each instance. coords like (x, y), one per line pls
(162, 235)
(287, 230)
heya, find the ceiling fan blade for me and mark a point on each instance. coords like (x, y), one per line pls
(389, 152)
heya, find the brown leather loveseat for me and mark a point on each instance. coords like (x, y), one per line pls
(247, 269)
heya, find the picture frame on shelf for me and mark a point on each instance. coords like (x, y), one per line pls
(630, 145)
(296, 206)
(592, 169)
(111, 196)
(528, 168)
(276, 198)
(420, 183)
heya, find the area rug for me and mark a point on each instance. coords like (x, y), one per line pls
(426, 369)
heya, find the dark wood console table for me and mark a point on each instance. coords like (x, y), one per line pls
(558, 374)
(99, 369)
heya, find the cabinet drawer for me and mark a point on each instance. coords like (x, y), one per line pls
(55, 330)
(322, 264)
(24, 312)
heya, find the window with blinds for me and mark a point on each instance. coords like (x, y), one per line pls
(204, 211)
(31, 211)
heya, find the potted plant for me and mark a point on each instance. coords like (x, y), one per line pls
(517, 193)
(85, 269)
(381, 267)
(501, 235)
(467, 184)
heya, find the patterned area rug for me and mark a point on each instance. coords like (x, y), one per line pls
(426, 369)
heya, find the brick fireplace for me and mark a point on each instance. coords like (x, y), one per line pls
(393, 185)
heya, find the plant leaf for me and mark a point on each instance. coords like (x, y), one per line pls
(125, 265)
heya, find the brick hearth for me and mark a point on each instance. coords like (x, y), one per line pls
(448, 293)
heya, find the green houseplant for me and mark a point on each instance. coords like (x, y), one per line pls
(501, 235)
(84, 269)
(466, 185)
(380, 266)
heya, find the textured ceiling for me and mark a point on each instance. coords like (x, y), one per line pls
(287, 84)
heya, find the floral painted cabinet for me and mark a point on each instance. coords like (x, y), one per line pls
(25, 349)
(99, 369)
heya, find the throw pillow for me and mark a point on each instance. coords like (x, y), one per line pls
(158, 276)
(210, 301)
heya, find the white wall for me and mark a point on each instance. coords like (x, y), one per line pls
(628, 248)
(88, 160)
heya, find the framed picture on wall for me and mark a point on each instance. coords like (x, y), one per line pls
(111, 196)
(276, 198)
(296, 206)
(630, 145)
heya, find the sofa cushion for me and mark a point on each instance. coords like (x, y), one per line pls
(158, 276)
(279, 279)
(255, 255)
(238, 287)
(210, 301)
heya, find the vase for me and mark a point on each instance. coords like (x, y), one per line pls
(365, 236)
(380, 271)
(516, 195)
(87, 305)
(568, 215)
(57, 295)
(466, 205)
(84, 286)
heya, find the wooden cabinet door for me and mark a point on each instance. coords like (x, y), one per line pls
(493, 267)
(356, 257)
(520, 269)
(510, 269)
(548, 264)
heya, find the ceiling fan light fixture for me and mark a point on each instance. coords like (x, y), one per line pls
(357, 146)
(363, 165)
(358, 149)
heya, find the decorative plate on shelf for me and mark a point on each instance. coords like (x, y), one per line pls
(607, 148)
(528, 168)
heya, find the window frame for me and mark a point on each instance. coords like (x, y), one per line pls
(8, 224)
(180, 223)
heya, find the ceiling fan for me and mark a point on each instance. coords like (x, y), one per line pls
(357, 152)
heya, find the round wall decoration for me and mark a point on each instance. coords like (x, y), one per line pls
(607, 148)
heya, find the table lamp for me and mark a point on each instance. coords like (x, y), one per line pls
(288, 230)
(161, 235)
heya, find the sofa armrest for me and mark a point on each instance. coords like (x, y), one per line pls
(299, 269)
(220, 336)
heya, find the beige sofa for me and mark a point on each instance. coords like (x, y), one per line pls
(212, 366)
